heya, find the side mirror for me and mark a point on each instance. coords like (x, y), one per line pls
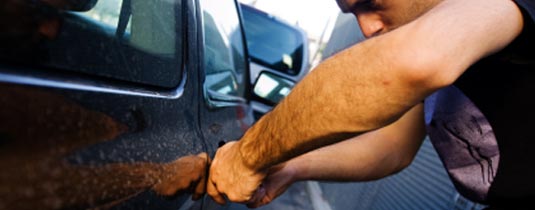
(271, 88)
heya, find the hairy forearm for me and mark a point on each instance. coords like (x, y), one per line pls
(373, 83)
(343, 97)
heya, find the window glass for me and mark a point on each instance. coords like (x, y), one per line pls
(224, 59)
(133, 40)
(272, 43)
(106, 12)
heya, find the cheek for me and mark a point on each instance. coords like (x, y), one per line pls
(419, 7)
(394, 20)
(402, 14)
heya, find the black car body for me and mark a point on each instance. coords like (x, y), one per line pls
(102, 101)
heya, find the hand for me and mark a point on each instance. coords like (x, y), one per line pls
(230, 177)
(186, 174)
(277, 181)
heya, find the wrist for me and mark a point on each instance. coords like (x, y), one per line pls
(261, 146)
(297, 170)
(249, 149)
(246, 155)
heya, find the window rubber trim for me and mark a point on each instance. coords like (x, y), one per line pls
(75, 83)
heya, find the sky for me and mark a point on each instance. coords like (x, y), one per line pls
(311, 15)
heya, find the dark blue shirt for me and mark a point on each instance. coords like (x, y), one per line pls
(483, 126)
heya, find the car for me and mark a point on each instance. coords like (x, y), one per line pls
(119, 104)
(279, 57)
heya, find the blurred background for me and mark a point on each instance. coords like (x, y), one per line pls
(317, 18)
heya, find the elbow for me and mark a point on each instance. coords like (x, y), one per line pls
(397, 166)
(427, 70)
(423, 66)
(402, 164)
(404, 158)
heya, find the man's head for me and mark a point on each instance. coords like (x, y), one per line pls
(379, 16)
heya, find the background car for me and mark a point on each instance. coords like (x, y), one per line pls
(279, 57)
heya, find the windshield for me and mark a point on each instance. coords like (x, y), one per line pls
(272, 43)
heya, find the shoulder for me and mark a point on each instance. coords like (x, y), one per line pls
(528, 7)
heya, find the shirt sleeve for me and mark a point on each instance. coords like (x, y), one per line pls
(522, 47)
(528, 8)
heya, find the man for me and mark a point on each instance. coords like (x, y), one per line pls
(466, 60)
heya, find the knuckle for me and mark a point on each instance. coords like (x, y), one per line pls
(233, 197)
(238, 198)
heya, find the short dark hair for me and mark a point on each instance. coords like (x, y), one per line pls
(343, 6)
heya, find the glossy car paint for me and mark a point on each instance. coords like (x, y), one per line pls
(74, 141)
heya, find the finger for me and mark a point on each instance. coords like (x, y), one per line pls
(227, 146)
(255, 204)
(257, 197)
(200, 189)
(236, 197)
(204, 155)
(196, 197)
(214, 193)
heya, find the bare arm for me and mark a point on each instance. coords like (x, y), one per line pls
(370, 156)
(373, 83)
(365, 87)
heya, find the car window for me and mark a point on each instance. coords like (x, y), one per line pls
(272, 43)
(136, 41)
(224, 51)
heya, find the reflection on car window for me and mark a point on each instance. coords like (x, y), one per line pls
(136, 40)
(106, 12)
(224, 50)
(272, 43)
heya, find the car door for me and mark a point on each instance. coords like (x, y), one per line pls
(226, 112)
(99, 104)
